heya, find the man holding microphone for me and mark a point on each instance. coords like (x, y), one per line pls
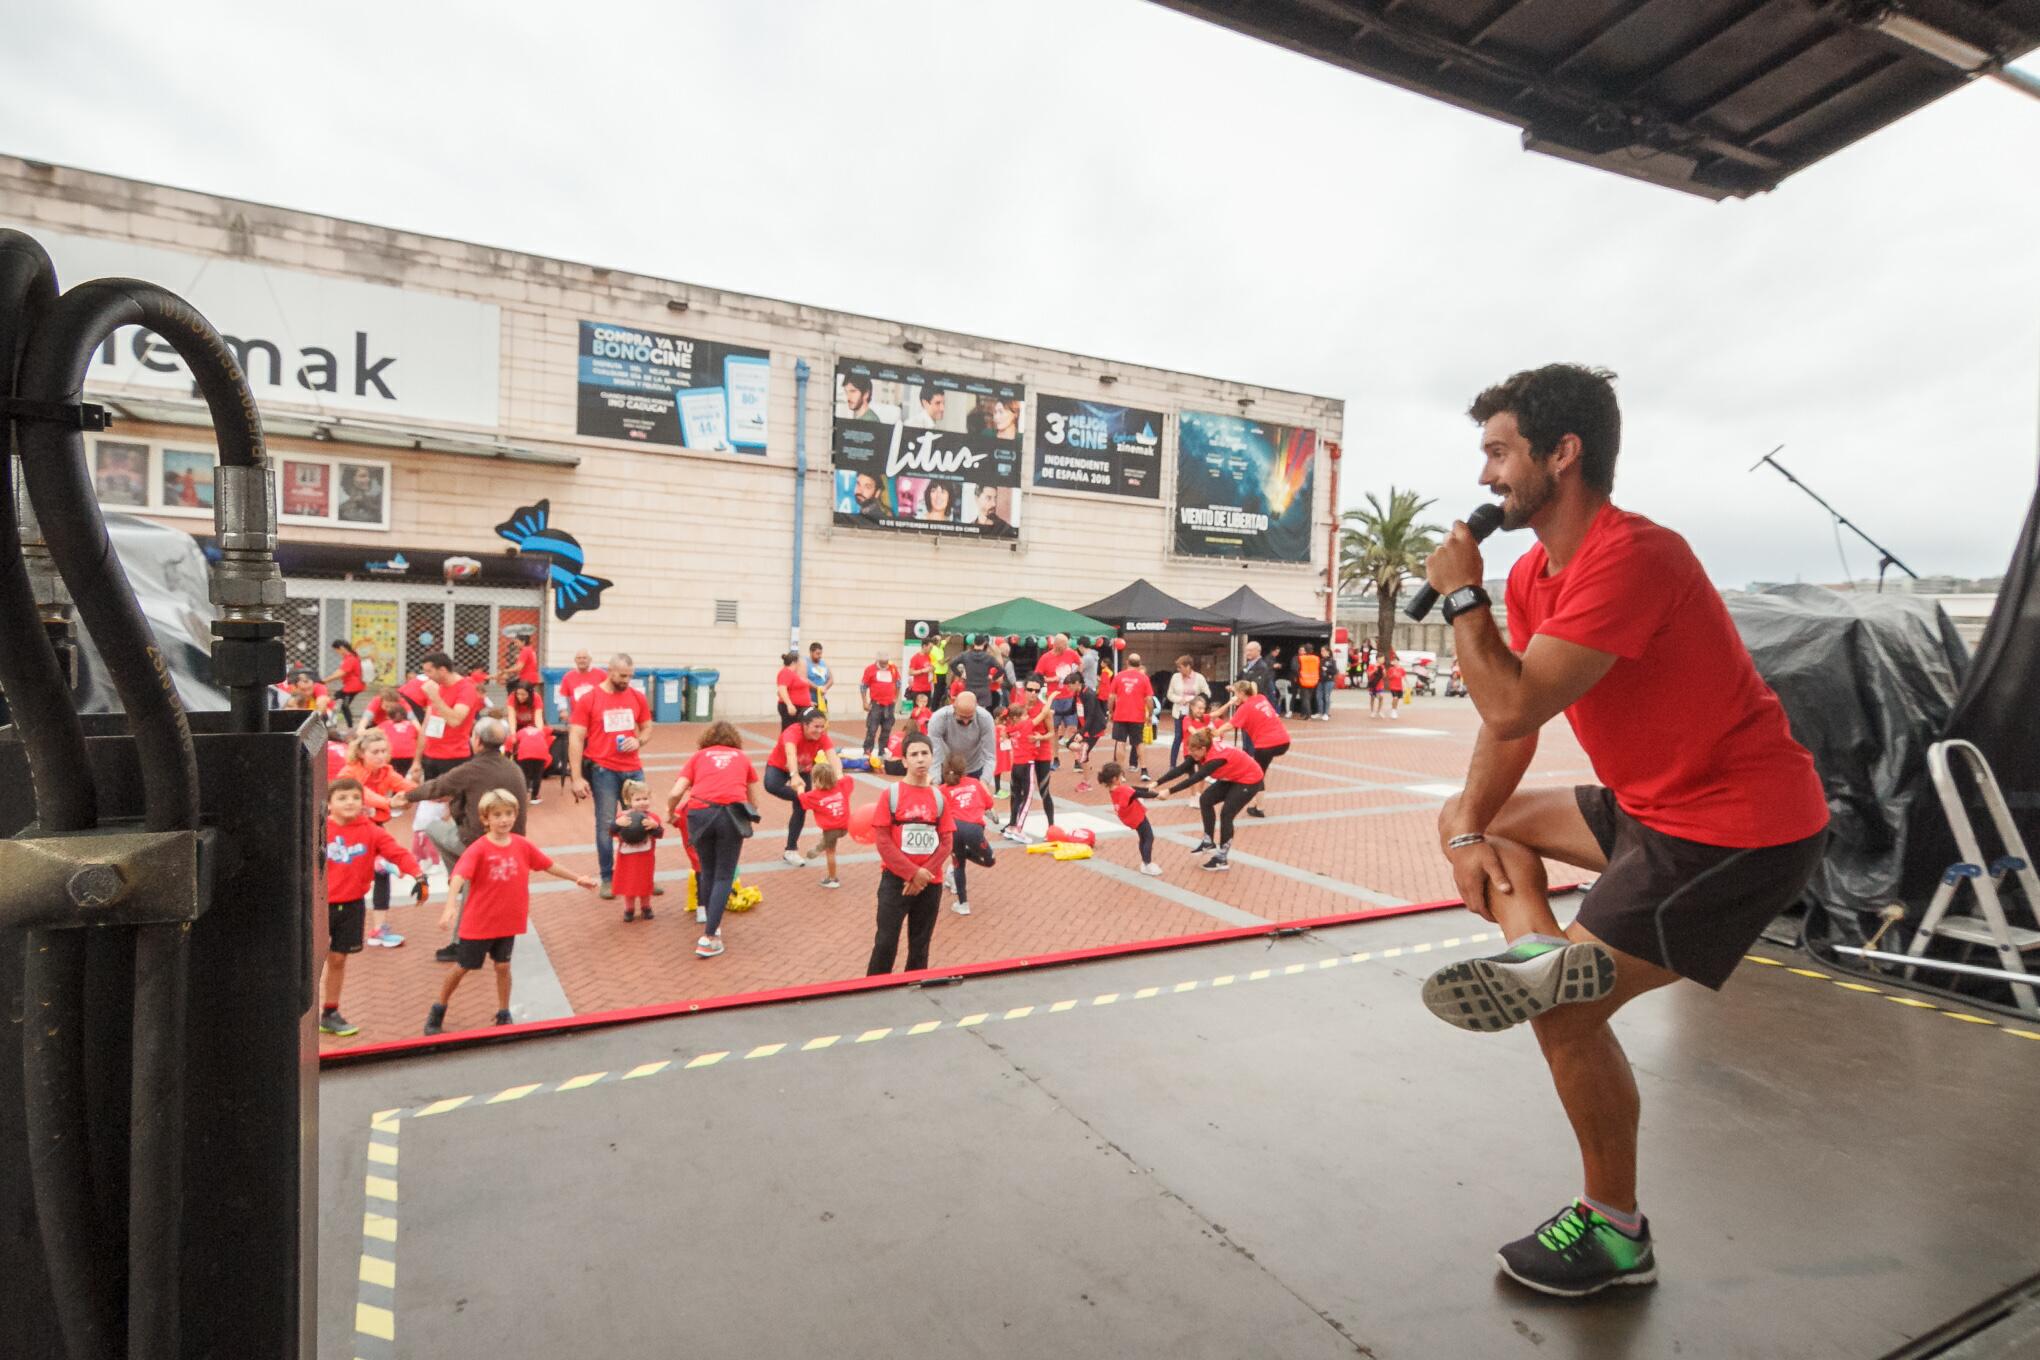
(1712, 819)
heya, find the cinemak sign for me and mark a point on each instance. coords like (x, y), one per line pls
(304, 340)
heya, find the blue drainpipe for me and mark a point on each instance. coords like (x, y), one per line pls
(800, 382)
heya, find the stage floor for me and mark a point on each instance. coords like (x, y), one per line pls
(1263, 1148)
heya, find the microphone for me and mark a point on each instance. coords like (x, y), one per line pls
(1483, 521)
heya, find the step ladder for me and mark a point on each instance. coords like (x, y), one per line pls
(1988, 925)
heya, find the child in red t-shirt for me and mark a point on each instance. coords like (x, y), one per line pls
(533, 752)
(1003, 763)
(353, 844)
(829, 800)
(496, 871)
(922, 714)
(634, 839)
(970, 800)
(1126, 803)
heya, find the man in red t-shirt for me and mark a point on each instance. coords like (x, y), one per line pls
(1129, 692)
(880, 690)
(450, 704)
(610, 726)
(1059, 659)
(914, 827)
(921, 672)
(576, 682)
(1711, 822)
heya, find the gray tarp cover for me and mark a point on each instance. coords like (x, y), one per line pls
(1868, 681)
(168, 571)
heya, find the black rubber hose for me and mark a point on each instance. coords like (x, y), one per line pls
(53, 971)
(55, 469)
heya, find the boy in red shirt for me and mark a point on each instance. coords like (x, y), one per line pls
(1126, 804)
(971, 800)
(1395, 678)
(353, 844)
(532, 751)
(920, 672)
(496, 871)
(914, 827)
(829, 800)
(881, 689)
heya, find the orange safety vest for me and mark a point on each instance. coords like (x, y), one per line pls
(1307, 670)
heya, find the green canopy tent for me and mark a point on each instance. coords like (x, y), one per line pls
(1025, 618)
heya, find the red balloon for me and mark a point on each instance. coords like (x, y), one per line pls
(1055, 833)
(1083, 835)
(1119, 644)
(860, 824)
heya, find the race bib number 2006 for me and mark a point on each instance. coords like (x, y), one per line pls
(919, 838)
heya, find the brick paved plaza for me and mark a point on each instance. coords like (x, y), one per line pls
(1351, 809)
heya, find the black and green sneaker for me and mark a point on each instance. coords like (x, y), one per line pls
(1577, 1252)
(1506, 989)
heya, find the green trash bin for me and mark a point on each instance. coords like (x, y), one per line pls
(701, 695)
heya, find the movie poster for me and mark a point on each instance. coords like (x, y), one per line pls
(667, 389)
(924, 452)
(1089, 446)
(1243, 488)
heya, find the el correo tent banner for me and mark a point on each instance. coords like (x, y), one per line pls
(1243, 488)
(925, 452)
(1089, 446)
(667, 389)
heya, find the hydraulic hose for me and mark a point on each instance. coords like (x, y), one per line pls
(55, 471)
(53, 973)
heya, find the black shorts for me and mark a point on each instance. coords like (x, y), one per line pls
(1683, 905)
(343, 926)
(472, 952)
(1135, 732)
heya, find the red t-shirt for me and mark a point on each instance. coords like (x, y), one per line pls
(914, 839)
(575, 683)
(351, 852)
(527, 664)
(1005, 762)
(524, 714)
(1132, 811)
(1129, 692)
(1234, 765)
(1193, 723)
(535, 743)
(402, 737)
(718, 774)
(608, 718)
(798, 690)
(805, 750)
(1682, 728)
(884, 684)
(414, 690)
(920, 669)
(1260, 722)
(499, 887)
(350, 675)
(1395, 678)
(970, 798)
(831, 806)
(1055, 665)
(443, 740)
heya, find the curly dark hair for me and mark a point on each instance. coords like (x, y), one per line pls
(1557, 400)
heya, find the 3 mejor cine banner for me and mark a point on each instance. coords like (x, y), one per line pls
(918, 451)
(1243, 488)
(668, 389)
(1090, 446)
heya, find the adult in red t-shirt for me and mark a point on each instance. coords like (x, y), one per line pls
(1128, 693)
(786, 770)
(583, 677)
(880, 690)
(1235, 781)
(921, 672)
(527, 664)
(796, 694)
(914, 827)
(1709, 819)
(1059, 659)
(1033, 759)
(718, 785)
(609, 728)
(1262, 731)
(450, 704)
(348, 677)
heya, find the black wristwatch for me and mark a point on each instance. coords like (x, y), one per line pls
(1464, 599)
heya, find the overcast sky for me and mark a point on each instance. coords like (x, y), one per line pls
(1110, 177)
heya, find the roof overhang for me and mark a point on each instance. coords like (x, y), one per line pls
(334, 429)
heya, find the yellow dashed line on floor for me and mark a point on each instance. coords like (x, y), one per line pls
(1910, 1002)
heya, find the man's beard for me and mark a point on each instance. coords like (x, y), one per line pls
(1522, 503)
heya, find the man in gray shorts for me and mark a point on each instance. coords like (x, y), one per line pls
(1711, 821)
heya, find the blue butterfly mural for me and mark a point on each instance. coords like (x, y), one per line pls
(530, 528)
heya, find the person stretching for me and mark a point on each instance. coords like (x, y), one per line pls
(799, 748)
(1235, 781)
(914, 828)
(971, 800)
(717, 785)
(1126, 803)
(1712, 821)
(1262, 731)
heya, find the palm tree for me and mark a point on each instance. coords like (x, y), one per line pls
(1383, 548)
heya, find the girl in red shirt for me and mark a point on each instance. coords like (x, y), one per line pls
(348, 677)
(1033, 760)
(1126, 805)
(914, 827)
(1004, 761)
(370, 761)
(1262, 732)
(829, 800)
(523, 705)
(971, 800)
(1236, 780)
(635, 838)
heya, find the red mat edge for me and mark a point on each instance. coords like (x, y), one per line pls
(395, 1048)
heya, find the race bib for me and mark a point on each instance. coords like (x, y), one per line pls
(919, 838)
(641, 848)
(618, 720)
(435, 726)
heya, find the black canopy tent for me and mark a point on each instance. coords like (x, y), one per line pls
(1257, 619)
(1161, 628)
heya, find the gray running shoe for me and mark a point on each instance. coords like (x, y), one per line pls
(1506, 989)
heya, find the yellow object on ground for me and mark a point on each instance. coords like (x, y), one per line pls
(742, 898)
(1043, 847)
(1071, 850)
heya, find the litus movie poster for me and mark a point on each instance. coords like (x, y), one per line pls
(667, 389)
(1243, 488)
(1090, 446)
(923, 452)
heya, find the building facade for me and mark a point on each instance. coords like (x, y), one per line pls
(475, 444)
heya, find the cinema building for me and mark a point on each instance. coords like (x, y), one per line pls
(619, 462)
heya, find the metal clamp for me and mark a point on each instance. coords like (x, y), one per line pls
(72, 415)
(105, 878)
